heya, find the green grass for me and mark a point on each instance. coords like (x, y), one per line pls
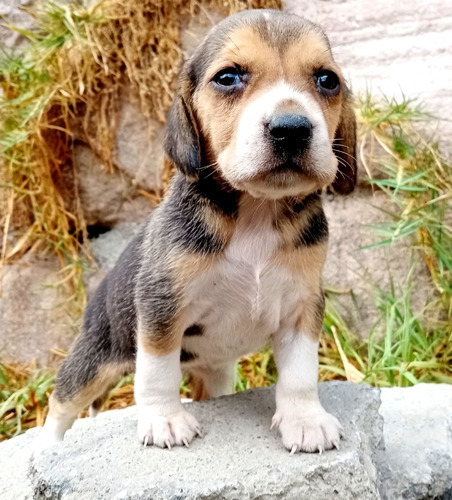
(23, 397)
(401, 350)
(405, 348)
(418, 181)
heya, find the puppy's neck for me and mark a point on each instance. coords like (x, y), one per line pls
(219, 193)
(254, 237)
(230, 201)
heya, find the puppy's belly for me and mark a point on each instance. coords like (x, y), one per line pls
(236, 308)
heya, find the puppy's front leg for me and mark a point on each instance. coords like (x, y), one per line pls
(303, 423)
(162, 419)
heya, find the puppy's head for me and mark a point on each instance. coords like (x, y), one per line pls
(263, 103)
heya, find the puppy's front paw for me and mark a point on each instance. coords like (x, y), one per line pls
(166, 431)
(312, 431)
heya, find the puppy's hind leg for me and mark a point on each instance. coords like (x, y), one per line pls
(84, 377)
(212, 382)
(96, 406)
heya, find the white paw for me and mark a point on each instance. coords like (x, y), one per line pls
(46, 438)
(166, 431)
(311, 431)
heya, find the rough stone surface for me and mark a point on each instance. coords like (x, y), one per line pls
(107, 198)
(16, 16)
(33, 316)
(139, 147)
(418, 438)
(111, 198)
(14, 464)
(237, 458)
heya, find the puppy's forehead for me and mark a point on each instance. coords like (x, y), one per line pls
(265, 36)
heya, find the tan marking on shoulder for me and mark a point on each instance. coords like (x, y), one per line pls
(303, 260)
(183, 268)
(220, 225)
(160, 345)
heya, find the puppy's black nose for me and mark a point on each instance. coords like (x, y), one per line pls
(291, 133)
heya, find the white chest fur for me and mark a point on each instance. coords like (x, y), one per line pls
(246, 297)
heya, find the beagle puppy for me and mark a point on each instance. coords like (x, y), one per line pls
(231, 260)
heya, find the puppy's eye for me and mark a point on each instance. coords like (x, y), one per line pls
(230, 81)
(327, 82)
(227, 77)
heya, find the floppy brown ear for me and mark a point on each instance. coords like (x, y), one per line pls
(182, 143)
(345, 149)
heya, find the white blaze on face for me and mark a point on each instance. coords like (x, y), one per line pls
(251, 153)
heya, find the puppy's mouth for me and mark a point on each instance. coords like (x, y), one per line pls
(286, 169)
(289, 166)
(285, 179)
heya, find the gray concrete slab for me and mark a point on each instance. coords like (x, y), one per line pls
(418, 439)
(237, 458)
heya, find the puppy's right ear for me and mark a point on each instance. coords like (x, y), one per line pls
(182, 143)
(345, 149)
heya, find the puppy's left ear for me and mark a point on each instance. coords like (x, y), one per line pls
(345, 149)
(182, 143)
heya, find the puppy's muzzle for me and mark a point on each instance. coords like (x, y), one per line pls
(290, 134)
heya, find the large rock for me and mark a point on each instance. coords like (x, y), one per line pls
(418, 437)
(139, 147)
(114, 197)
(14, 464)
(107, 198)
(237, 458)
